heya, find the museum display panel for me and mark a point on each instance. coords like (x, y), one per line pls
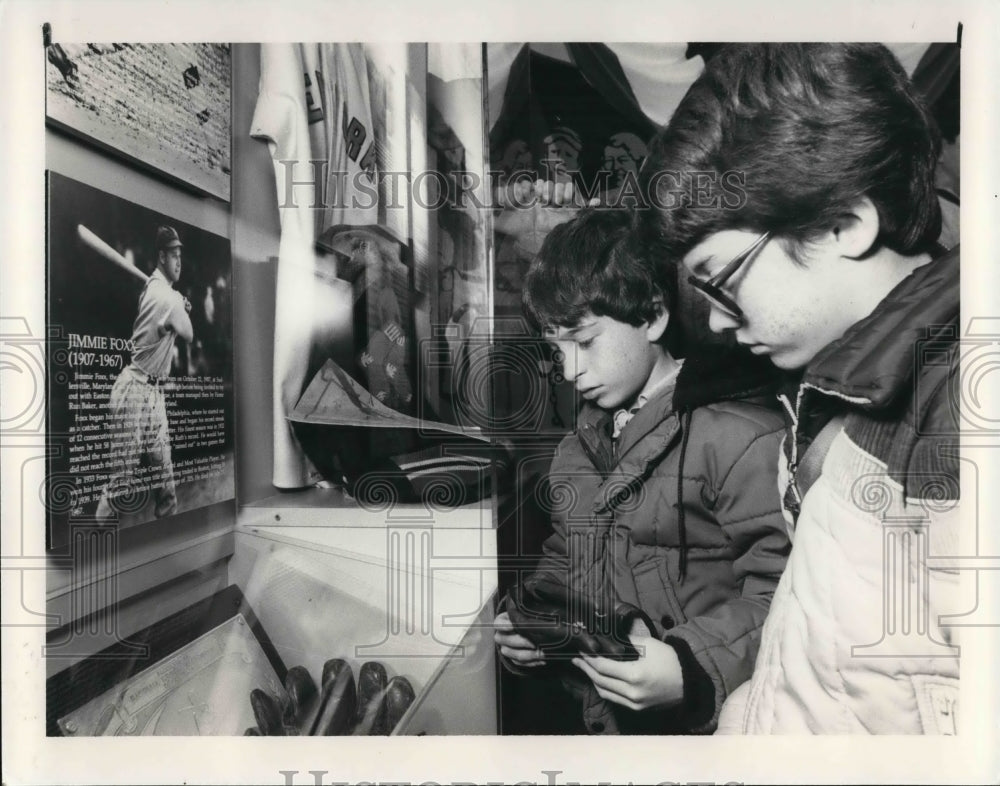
(362, 539)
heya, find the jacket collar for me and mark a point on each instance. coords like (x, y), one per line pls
(594, 427)
(873, 363)
(706, 377)
(711, 376)
(658, 409)
(665, 387)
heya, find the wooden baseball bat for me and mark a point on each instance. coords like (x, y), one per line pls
(93, 242)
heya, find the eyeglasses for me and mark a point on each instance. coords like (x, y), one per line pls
(711, 290)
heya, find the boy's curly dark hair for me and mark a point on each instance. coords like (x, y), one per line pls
(597, 262)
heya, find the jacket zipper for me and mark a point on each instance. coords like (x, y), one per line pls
(792, 506)
(789, 409)
(795, 414)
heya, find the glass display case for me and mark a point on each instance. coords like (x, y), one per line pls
(363, 530)
(370, 534)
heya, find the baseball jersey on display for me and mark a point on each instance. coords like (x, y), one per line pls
(313, 106)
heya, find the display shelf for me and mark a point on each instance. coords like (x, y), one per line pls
(329, 521)
(421, 608)
(315, 506)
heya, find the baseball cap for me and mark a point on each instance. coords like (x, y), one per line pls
(167, 237)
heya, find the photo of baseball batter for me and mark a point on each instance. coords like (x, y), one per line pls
(140, 365)
(138, 412)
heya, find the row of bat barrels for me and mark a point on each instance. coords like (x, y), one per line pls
(373, 705)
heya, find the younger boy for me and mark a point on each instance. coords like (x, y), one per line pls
(666, 495)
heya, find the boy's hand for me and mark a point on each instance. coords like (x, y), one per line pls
(654, 680)
(514, 646)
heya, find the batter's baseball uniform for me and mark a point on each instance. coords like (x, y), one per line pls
(140, 438)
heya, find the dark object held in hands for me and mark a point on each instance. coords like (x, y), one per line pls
(564, 624)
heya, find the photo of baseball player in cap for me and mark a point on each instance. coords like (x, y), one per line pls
(140, 406)
(137, 409)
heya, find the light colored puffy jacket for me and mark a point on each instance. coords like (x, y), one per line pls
(856, 640)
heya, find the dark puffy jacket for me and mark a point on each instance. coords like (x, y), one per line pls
(682, 519)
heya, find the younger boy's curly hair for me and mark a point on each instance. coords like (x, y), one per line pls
(597, 262)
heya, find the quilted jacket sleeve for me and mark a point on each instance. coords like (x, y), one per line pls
(563, 501)
(717, 650)
(569, 495)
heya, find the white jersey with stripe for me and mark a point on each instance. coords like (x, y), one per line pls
(313, 106)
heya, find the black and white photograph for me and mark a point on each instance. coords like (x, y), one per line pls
(586, 399)
(140, 362)
(164, 105)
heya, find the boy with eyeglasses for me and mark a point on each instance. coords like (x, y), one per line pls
(830, 268)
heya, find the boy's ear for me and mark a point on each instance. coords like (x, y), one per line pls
(856, 232)
(658, 325)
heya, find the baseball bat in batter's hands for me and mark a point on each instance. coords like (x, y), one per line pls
(93, 242)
